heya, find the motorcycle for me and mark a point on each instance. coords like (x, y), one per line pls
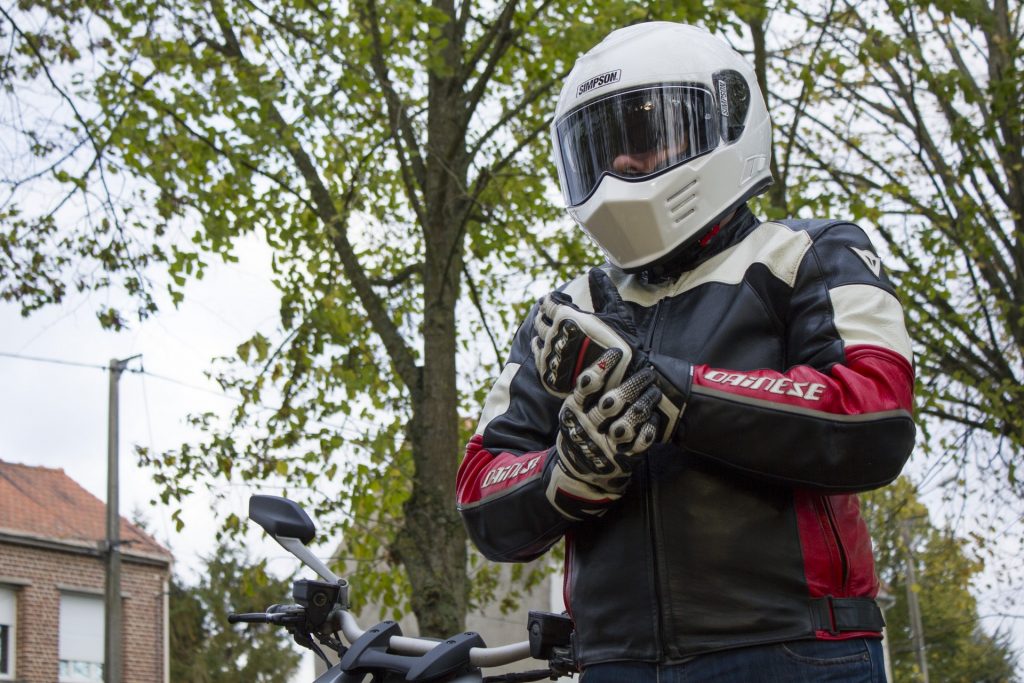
(320, 618)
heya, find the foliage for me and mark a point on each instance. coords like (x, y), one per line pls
(392, 158)
(922, 138)
(958, 648)
(205, 648)
(905, 116)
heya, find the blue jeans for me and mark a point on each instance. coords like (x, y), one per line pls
(803, 661)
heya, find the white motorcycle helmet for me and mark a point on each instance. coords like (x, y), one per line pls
(660, 132)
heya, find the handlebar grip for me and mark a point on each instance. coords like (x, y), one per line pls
(249, 618)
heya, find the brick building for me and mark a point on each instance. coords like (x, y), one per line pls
(52, 584)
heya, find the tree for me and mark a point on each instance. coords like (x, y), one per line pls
(367, 143)
(957, 648)
(205, 648)
(391, 155)
(923, 139)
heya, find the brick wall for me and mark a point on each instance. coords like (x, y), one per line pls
(39, 574)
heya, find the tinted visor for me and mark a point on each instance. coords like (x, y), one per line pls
(634, 134)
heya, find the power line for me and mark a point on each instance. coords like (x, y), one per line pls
(53, 361)
(137, 371)
(344, 428)
(149, 419)
(195, 387)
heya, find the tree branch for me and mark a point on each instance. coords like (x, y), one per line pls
(398, 278)
(398, 119)
(474, 296)
(401, 355)
(497, 38)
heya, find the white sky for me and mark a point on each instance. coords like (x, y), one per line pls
(56, 415)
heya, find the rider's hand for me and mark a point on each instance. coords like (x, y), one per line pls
(600, 435)
(569, 339)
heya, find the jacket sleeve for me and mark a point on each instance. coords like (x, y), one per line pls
(840, 417)
(501, 482)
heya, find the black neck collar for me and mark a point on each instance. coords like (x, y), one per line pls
(709, 243)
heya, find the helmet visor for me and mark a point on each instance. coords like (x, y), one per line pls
(634, 134)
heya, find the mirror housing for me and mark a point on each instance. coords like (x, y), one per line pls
(281, 517)
(291, 527)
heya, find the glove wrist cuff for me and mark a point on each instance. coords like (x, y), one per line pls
(573, 498)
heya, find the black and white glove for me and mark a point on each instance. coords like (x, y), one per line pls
(569, 339)
(600, 434)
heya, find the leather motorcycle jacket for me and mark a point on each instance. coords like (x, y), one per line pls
(788, 346)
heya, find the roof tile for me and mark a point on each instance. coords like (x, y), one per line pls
(47, 503)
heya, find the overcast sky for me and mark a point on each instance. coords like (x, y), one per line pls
(55, 415)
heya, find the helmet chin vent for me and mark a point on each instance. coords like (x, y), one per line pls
(681, 203)
(680, 219)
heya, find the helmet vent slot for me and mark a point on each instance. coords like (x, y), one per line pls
(676, 195)
(680, 200)
(686, 215)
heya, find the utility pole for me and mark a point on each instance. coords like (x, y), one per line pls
(113, 625)
(916, 625)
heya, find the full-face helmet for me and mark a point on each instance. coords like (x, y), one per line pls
(659, 133)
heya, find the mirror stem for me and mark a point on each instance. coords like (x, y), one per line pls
(296, 548)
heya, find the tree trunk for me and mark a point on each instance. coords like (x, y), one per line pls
(432, 544)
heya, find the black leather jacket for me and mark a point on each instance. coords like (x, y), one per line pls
(788, 344)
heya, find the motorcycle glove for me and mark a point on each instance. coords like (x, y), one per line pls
(600, 435)
(570, 339)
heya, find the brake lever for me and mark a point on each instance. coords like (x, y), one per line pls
(286, 614)
(248, 618)
(283, 615)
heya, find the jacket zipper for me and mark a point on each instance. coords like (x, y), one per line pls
(649, 495)
(839, 557)
(568, 573)
(655, 574)
(649, 337)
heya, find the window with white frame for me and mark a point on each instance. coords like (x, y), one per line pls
(81, 638)
(8, 623)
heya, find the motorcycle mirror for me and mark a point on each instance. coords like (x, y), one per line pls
(281, 517)
(291, 527)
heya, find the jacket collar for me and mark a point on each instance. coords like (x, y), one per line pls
(713, 241)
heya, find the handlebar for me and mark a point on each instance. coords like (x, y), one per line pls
(478, 656)
(483, 657)
(321, 612)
